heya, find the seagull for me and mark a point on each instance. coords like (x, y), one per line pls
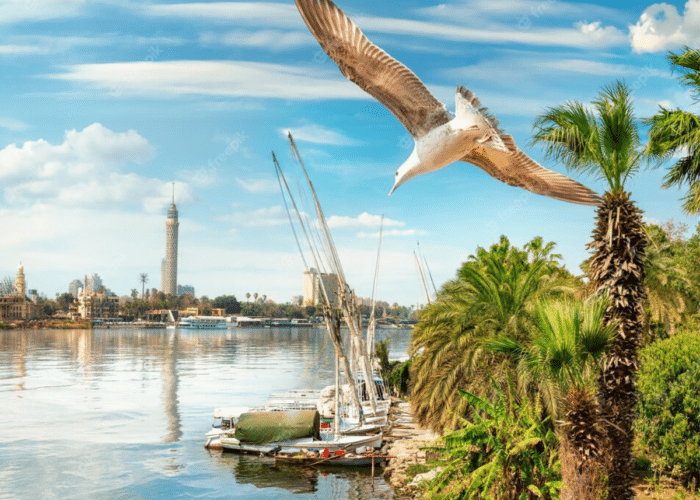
(470, 135)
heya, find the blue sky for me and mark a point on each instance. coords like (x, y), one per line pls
(105, 104)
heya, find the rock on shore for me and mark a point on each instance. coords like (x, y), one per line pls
(405, 442)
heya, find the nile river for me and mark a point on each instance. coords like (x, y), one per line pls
(121, 413)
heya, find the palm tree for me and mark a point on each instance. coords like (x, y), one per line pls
(562, 359)
(666, 282)
(607, 144)
(538, 251)
(495, 293)
(676, 131)
(144, 279)
(247, 296)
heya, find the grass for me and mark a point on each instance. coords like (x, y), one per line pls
(650, 487)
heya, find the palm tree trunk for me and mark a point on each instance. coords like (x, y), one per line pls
(581, 448)
(617, 267)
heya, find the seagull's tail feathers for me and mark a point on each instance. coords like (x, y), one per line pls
(467, 102)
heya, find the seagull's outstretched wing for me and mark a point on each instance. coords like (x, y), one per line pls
(517, 169)
(372, 69)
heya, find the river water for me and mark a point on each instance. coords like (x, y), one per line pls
(121, 413)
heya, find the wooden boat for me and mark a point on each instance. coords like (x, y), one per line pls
(333, 460)
(289, 432)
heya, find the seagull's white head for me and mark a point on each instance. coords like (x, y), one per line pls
(407, 171)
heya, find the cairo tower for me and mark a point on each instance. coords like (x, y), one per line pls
(169, 274)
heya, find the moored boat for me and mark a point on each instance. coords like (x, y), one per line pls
(340, 459)
(224, 420)
(274, 432)
(203, 323)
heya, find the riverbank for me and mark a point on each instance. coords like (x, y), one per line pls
(53, 324)
(412, 464)
(406, 441)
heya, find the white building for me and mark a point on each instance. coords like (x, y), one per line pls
(93, 283)
(20, 283)
(313, 290)
(74, 287)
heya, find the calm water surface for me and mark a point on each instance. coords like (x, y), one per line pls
(122, 413)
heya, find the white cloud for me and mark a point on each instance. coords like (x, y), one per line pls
(14, 11)
(590, 67)
(392, 232)
(21, 49)
(214, 78)
(363, 220)
(317, 134)
(272, 216)
(258, 185)
(597, 36)
(275, 40)
(83, 170)
(468, 10)
(661, 27)
(246, 13)
(12, 124)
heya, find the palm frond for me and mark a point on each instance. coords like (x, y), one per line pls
(688, 61)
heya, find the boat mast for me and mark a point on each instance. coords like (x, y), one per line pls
(425, 261)
(372, 325)
(346, 295)
(421, 277)
(330, 316)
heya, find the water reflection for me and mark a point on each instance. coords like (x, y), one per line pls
(263, 473)
(122, 413)
(170, 383)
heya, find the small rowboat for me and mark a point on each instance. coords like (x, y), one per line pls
(334, 460)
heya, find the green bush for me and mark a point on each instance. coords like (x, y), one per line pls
(668, 421)
(399, 379)
(507, 452)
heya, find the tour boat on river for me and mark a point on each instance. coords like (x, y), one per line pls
(203, 323)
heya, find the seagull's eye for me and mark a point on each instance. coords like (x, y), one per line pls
(397, 173)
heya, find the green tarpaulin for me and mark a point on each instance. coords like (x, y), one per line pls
(271, 426)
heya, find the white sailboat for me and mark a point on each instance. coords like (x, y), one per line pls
(363, 396)
(289, 423)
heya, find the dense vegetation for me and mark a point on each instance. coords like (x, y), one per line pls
(669, 408)
(494, 294)
(514, 330)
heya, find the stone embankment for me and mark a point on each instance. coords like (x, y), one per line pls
(405, 442)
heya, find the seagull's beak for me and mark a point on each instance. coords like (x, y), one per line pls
(399, 181)
(407, 171)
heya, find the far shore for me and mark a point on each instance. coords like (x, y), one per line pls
(34, 324)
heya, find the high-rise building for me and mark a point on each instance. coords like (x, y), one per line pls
(20, 283)
(313, 291)
(183, 289)
(93, 283)
(169, 275)
(74, 286)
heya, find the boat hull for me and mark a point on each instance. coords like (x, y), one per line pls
(343, 443)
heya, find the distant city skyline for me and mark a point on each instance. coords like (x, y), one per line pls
(106, 103)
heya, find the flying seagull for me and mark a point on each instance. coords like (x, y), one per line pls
(470, 135)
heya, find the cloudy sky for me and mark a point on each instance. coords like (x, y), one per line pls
(106, 103)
